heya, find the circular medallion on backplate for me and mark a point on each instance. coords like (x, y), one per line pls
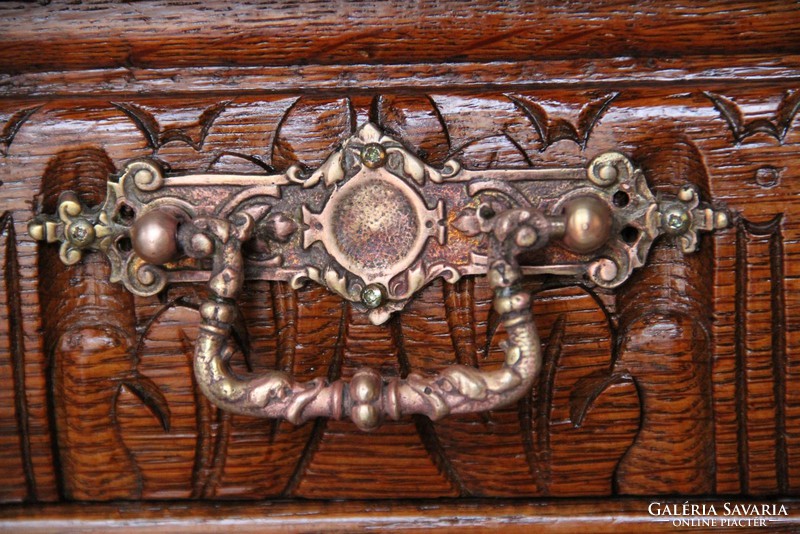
(374, 226)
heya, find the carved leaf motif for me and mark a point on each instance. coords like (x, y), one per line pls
(206, 121)
(161, 385)
(151, 396)
(552, 130)
(235, 162)
(730, 112)
(777, 126)
(590, 114)
(441, 318)
(416, 120)
(588, 389)
(492, 151)
(561, 130)
(310, 131)
(193, 134)
(12, 126)
(144, 120)
(84, 335)
(18, 479)
(537, 115)
(576, 386)
(787, 110)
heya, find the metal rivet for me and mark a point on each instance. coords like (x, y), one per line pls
(373, 155)
(372, 296)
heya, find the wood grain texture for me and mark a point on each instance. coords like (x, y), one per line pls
(160, 421)
(161, 34)
(463, 515)
(16, 447)
(682, 381)
(89, 343)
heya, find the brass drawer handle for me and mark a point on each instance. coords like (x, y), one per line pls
(374, 224)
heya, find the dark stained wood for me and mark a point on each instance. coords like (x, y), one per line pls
(191, 34)
(481, 130)
(681, 382)
(338, 79)
(463, 515)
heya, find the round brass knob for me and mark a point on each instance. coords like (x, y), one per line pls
(587, 224)
(154, 237)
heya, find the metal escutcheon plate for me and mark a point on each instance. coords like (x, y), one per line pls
(375, 224)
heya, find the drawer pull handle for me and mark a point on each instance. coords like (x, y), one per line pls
(374, 224)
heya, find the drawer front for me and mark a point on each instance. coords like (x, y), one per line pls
(678, 382)
(683, 371)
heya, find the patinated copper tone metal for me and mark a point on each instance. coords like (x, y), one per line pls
(374, 224)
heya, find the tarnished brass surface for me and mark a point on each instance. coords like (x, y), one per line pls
(367, 399)
(375, 224)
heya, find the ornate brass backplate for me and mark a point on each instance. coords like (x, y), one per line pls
(375, 224)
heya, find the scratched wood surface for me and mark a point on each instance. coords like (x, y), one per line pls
(680, 382)
(465, 515)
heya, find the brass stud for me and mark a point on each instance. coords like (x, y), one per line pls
(587, 224)
(721, 219)
(686, 194)
(607, 173)
(36, 230)
(143, 176)
(154, 237)
(607, 270)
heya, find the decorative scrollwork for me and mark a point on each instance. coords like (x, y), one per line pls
(375, 224)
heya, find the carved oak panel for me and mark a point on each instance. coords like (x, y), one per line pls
(684, 371)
